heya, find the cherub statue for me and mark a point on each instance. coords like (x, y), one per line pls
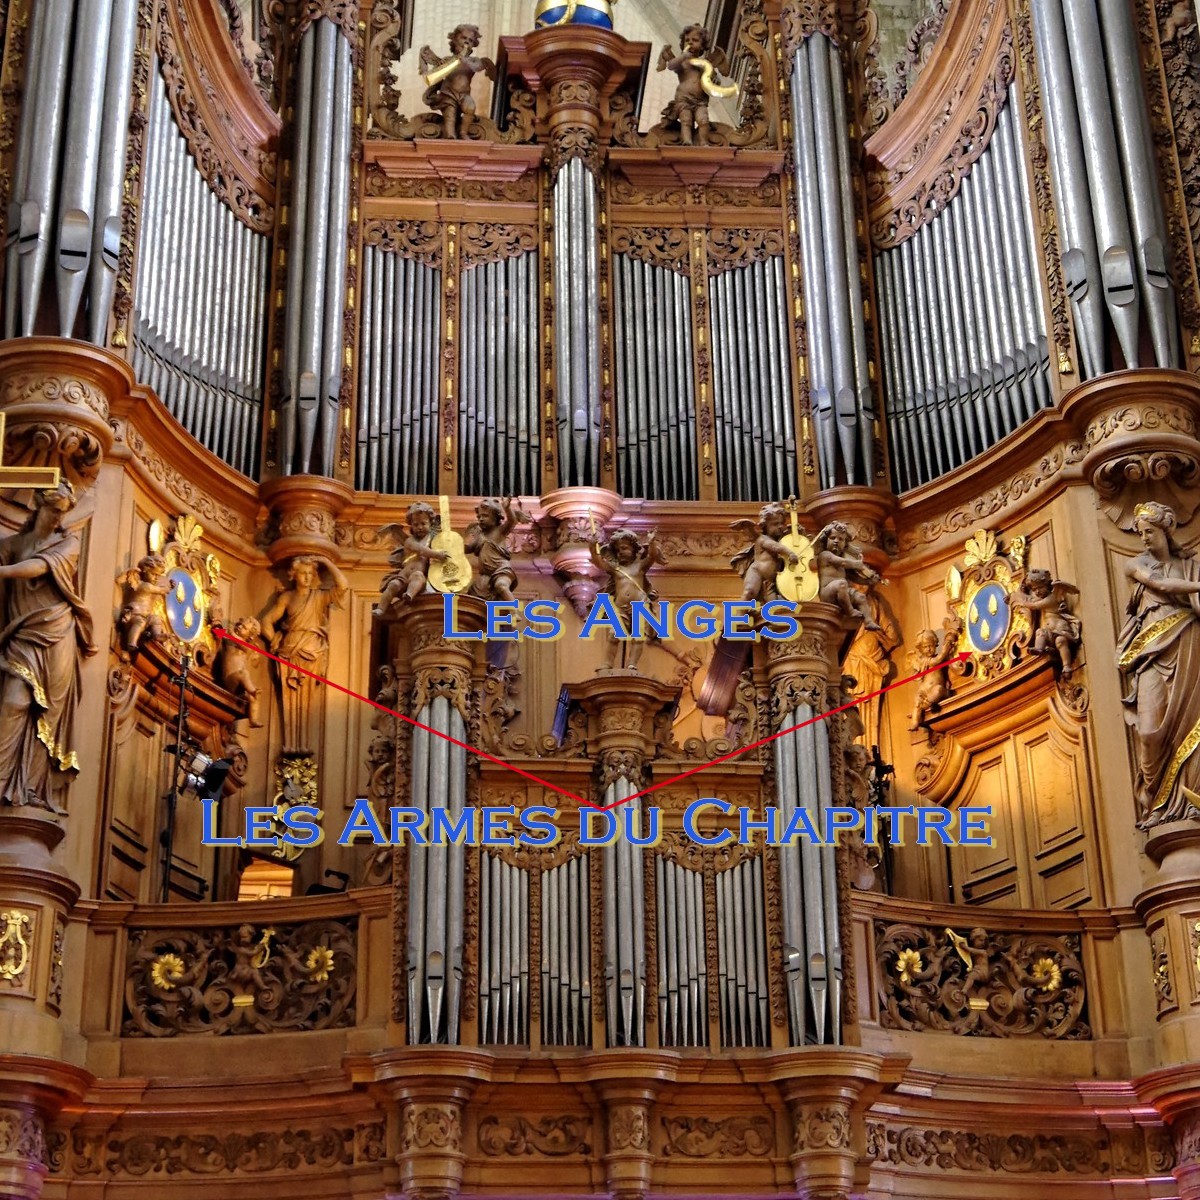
(933, 651)
(762, 561)
(411, 558)
(838, 561)
(696, 65)
(235, 666)
(140, 619)
(627, 563)
(1057, 629)
(449, 80)
(486, 544)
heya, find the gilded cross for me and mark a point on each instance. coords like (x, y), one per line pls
(25, 477)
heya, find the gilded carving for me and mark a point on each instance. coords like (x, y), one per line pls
(516, 1137)
(241, 981)
(57, 950)
(733, 1137)
(1056, 629)
(986, 984)
(16, 946)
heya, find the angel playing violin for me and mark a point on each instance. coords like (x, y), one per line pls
(1048, 601)
(697, 64)
(449, 80)
(764, 558)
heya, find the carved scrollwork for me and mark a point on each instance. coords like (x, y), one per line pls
(451, 682)
(516, 1137)
(236, 166)
(620, 764)
(22, 1137)
(800, 20)
(628, 1127)
(1160, 962)
(243, 980)
(987, 984)
(485, 242)
(658, 247)
(906, 195)
(790, 691)
(820, 1127)
(734, 1137)
(729, 249)
(431, 1127)
(419, 240)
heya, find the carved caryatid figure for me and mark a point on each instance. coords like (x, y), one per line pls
(839, 562)
(488, 551)
(765, 557)
(296, 628)
(449, 80)
(697, 66)
(1159, 651)
(1057, 629)
(46, 631)
(627, 563)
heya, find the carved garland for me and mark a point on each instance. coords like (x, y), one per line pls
(415, 239)
(667, 248)
(494, 241)
(729, 249)
(1170, 48)
(238, 169)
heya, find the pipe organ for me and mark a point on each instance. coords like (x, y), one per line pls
(398, 376)
(504, 926)
(565, 935)
(965, 354)
(655, 393)
(577, 330)
(199, 332)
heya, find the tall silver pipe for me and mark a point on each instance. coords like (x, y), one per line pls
(1081, 258)
(44, 127)
(81, 153)
(815, 296)
(455, 933)
(863, 397)
(417, 883)
(335, 278)
(301, 172)
(1141, 175)
(106, 243)
(1113, 237)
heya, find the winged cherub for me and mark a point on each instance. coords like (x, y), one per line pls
(628, 564)
(486, 543)
(449, 80)
(696, 65)
(1057, 629)
(838, 562)
(765, 557)
(140, 617)
(411, 558)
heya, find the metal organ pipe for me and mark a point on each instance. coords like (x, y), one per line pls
(1089, 61)
(811, 931)
(965, 354)
(839, 377)
(199, 325)
(69, 165)
(624, 933)
(577, 289)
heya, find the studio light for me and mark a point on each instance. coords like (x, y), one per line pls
(200, 777)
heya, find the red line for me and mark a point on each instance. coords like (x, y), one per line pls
(654, 787)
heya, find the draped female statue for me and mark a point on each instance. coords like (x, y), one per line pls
(45, 633)
(1159, 651)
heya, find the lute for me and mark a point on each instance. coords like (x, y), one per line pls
(453, 574)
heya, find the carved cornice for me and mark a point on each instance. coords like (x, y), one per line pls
(920, 155)
(231, 132)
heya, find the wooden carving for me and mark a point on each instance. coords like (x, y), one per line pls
(46, 632)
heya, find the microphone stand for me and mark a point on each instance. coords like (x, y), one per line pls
(172, 795)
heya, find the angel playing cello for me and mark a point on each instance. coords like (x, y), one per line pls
(696, 65)
(411, 558)
(760, 563)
